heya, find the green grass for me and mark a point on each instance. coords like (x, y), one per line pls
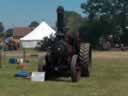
(109, 77)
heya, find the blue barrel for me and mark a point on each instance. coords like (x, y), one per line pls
(13, 60)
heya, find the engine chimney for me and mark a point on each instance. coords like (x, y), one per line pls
(60, 21)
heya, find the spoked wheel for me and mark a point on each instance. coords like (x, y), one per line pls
(75, 69)
(85, 59)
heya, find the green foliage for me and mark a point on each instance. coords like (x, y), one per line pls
(90, 31)
(110, 13)
(9, 32)
(44, 44)
(72, 21)
(33, 24)
(1, 27)
(2, 34)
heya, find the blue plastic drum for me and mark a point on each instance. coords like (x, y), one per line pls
(12, 60)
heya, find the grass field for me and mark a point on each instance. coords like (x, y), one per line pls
(109, 77)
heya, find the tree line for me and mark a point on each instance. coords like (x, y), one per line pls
(103, 18)
(9, 31)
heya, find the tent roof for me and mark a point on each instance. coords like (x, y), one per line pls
(39, 32)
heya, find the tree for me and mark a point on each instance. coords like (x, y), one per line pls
(9, 32)
(1, 27)
(90, 32)
(33, 24)
(112, 12)
(72, 21)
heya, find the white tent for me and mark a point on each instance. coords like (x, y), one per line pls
(31, 39)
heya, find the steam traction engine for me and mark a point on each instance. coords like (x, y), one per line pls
(66, 55)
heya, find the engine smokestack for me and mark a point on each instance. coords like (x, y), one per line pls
(60, 21)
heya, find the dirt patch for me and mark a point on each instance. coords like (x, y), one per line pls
(110, 54)
(21, 54)
(95, 54)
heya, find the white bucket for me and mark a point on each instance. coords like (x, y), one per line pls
(21, 61)
(38, 76)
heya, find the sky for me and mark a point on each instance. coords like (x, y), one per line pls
(22, 12)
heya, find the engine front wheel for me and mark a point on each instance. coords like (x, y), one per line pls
(75, 69)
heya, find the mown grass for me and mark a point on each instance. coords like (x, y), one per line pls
(109, 77)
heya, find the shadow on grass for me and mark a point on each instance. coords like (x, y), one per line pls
(67, 80)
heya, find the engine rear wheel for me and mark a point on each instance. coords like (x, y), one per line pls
(85, 59)
(75, 69)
